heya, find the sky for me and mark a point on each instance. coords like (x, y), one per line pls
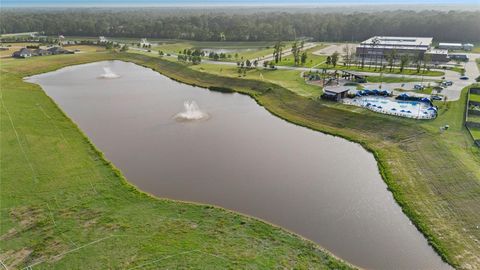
(86, 3)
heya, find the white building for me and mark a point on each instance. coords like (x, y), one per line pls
(102, 39)
(382, 46)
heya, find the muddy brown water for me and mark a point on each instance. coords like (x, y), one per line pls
(324, 188)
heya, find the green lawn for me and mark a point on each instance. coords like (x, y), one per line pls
(289, 79)
(313, 60)
(63, 206)
(247, 50)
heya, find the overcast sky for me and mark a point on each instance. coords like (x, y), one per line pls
(37, 3)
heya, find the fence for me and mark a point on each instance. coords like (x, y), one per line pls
(468, 111)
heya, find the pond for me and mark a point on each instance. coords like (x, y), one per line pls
(239, 156)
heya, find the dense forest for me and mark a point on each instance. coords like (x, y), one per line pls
(461, 26)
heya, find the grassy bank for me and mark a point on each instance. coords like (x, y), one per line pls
(63, 206)
(434, 176)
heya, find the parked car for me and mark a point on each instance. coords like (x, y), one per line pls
(446, 83)
(436, 98)
(418, 87)
(464, 78)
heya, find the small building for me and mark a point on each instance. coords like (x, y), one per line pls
(23, 53)
(102, 39)
(335, 93)
(458, 57)
(468, 46)
(455, 46)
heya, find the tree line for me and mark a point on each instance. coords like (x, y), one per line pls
(460, 26)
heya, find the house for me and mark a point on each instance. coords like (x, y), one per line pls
(102, 39)
(23, 53)
(40, 52)
(59, 50)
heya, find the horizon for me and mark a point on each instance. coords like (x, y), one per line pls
(226, 3)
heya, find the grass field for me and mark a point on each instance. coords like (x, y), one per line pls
(63, 206)
(289, 79)
(313, 60)
(434, 176)
(257, 49)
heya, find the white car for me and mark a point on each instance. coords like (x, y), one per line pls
(418, 87)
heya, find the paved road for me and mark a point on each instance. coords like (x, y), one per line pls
(335, 48)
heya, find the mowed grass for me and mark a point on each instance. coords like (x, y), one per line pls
(290, 79)
(313, 60)
(63, 206)
(247, 50)
(433, 175)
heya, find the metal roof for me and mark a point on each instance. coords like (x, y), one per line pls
(399, 41)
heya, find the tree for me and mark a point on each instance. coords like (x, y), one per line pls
(124, 48)
(271, 64)
(334, 58)
(265, 64)
(391, 58)
(248, 63)
(404, 61)
(277, 51)
(347, 56)
(160, 53)
(304, 58)
(426, 61)
(418, 62)
(255, 63)
(329, 60)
